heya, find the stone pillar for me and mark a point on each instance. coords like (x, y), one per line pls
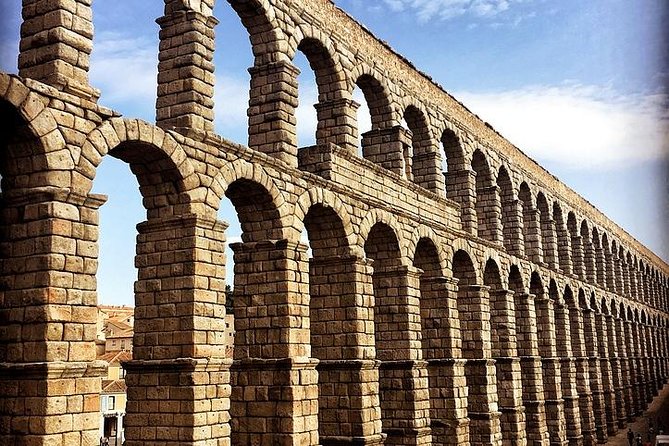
(583, 373)
(342, 339)
(56, 44)
(403, 381)
(564, 248)
(474, 313)
(551, 371)
(606, 367)
(533, 247)
(625, 354)
(49, 378)
(617, 369)
(600, 265)
(338, 123)
(461, 187)
(549, 242)
(489, 212)
(570, 395)
(589, 261)
(179, 378)
(595, 373)
(577, 256)
(635, 368)
(274, 378)
(272, 104)
(186, 68)
(427, 170)
(651, 364)
(530, 362)
(389, 148)
(507, 364)
(442, 348)
(512, 216)
(611, 273)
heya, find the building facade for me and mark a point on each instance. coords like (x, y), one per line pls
(488, 305)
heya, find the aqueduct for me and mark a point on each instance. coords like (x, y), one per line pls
(487, 305)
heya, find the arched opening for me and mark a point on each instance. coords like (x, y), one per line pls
(564, 250)
(505, 353)
(459, 181)
(385, 144)
(531, 227)
(488, 207)
(425, 162)
(548, 237)
(588, 253)
(510, 219)
(598, 253)
(474, 312)
(338, 336)
(402, 387)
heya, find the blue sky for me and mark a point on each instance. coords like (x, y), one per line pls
(577, 85)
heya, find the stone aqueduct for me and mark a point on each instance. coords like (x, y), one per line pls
(488, 305)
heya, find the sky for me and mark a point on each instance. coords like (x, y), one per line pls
(579, 86)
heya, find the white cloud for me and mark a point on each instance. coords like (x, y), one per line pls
(445, 9)
(577, 126)
(125, 69)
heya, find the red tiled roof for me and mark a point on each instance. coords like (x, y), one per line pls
(113, 386)
(115, 357)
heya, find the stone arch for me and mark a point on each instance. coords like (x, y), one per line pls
(511, 223)
(377, 95)
(374, 217)
(487, 199)
(35, 142)
(424, 233)
(130, 134)
(426, 157)
(588, 252)
(272, 206)
(259, 19)
(327, 199)
(323, 58)
(598, 254)
(516, 282)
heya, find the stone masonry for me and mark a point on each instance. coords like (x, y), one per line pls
(487, 305)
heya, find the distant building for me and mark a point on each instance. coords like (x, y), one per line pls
(113, 397)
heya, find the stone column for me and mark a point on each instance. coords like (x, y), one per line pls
(577, 256)
(549, 242)
(179, 378)
(618, 368)
(589, 261)
(186, 68)
(564, 248)
(551, 371)
(461, 187)
(427, 170)
(636, 370)
(342, 339)
(606, 367)
(583, 373)
(49, 378)
(651, 364)
(570, 395)
(530, 362)
(626, 366)
(533, 247)
(474, 313)
(512, 216)
(507, 364)
(595, 373)
(442, 348)
(338, 123)
(489, 212)
(272, 104)
(403, 381)
(274, 378)
(388, 149)
(611, 273)
(56, 44)
(600, 264)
